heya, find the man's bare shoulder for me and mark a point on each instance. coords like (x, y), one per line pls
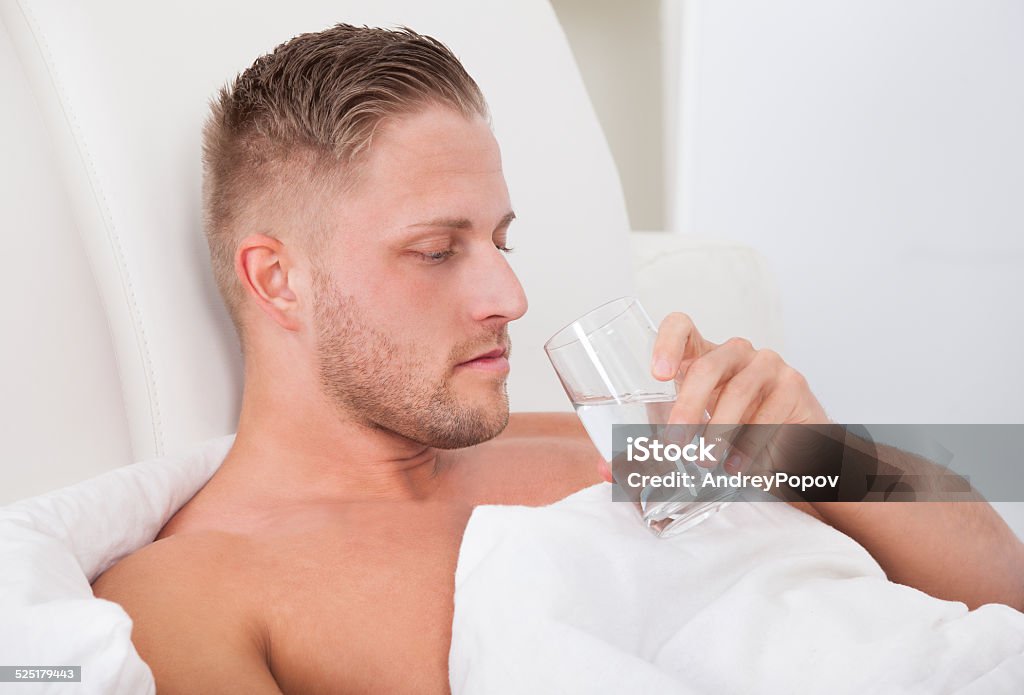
(192, 613)
(174, 559)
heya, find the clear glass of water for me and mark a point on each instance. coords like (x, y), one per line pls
(603, 360)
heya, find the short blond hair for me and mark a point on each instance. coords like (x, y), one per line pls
(303, 115)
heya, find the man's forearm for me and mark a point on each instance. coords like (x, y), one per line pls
(960, 551)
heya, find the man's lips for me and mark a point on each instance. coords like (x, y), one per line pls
(496, 352)
(492, 360)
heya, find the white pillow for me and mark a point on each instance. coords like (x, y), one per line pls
(53, 546)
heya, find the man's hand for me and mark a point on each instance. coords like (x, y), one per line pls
(734, 382)
(913, 542)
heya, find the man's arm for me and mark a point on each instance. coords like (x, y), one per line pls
(955, 550)
(185, 626)
(958, 551)
(933, 531)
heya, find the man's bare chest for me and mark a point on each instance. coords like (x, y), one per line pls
(359, 596)
(362, 606)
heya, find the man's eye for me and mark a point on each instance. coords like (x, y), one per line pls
(437, 256)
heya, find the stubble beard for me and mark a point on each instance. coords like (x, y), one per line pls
(373, 380)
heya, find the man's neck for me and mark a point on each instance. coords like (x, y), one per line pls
(295, 449)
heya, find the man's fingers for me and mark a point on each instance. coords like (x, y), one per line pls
(678, 339)
(704, 375)
(782, 401)
(753, 449)
(737, 400)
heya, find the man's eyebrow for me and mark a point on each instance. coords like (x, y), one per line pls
(462, 222)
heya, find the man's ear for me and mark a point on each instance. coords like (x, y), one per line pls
(266, 269)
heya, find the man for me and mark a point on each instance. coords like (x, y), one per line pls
(358, 218)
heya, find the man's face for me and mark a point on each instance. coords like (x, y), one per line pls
(412, 285)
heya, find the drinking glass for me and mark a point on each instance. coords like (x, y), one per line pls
(603, 360)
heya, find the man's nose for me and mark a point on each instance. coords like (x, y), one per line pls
(496, 291)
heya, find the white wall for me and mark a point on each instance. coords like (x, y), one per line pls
(873, 151)
(617, 47)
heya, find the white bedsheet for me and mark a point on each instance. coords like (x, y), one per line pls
(54, 545)
(576, 597)
(761, 598)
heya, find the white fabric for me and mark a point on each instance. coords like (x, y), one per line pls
(580, 598)
(53, 546)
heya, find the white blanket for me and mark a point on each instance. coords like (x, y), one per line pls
(576, 597)
(54, 545)
(761, 598)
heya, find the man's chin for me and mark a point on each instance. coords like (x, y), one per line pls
(474, 424)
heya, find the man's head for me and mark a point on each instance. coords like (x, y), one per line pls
(355, 210)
